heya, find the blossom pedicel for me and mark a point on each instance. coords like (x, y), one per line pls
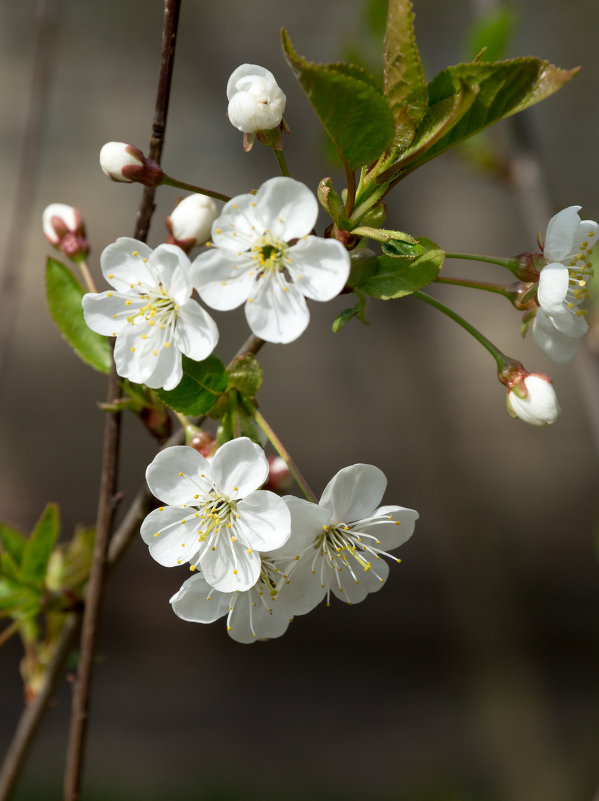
(253, 262)
(150, 312)
(563, 284)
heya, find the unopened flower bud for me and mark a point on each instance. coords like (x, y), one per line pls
(127, 164)
(204, 443)
(533, 400)
(256, 103)
(279, 478)
(64, 228)
(190, 221)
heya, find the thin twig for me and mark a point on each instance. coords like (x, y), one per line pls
(11, 269)
(81, 696)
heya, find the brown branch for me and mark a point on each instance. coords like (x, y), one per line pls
(81, 696)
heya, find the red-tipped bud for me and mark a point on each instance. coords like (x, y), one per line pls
(279, 477)
(127, 164)
(204, 443)
(532, 398)
(190, 221)
(64, 229)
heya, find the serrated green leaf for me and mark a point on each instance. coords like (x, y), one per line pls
(404, 82)
(363, 263)
(12, 542)
(354, 113)
(397, 276)
(64, 293)
(39, 547)
(245, 375)
(200, 387)
(496, 90)
(358, 311)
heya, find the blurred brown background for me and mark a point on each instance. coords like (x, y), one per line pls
(473, 673)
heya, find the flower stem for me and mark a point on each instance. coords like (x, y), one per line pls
(87, 276)
(506, 290)
(509, 264)
(281, 450)
(501, 359)
(168, 181)
(282, 162)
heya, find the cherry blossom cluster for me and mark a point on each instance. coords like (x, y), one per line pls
(259, 559)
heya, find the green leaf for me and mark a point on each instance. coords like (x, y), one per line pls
(18, 600)
(398, 276)
(492, 33)
(200, 386)
(404, 83)
(245, 375)
(64, 293)
(39, 547)
(358, 311)
(353, 111)
(12, 542)
(489, 92)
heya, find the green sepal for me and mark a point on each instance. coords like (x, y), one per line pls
(64, 293)
(358, 311)
(352, 109)
(397, 276)
(245, 375)
(36, 554)
(200, 387)
(404, 82)
(12, 542)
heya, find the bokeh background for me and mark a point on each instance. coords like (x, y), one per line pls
(472, 675)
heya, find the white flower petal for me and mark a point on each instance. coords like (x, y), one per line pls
(255, 617)
(178, 474)
(561, 233)
(166, 368)
(388, 533)
(171, 534)
(130, 362)
(122, 269)
(556, 346)
(197, 602)
(553, 287)
(352, 586)
(223, 281)
(288, 207)
(278, 311)
(196, 333)
(245, 71)
(230, 566)
(323, 265)
(264, 521)
(172, 268)
(303, 589)
(239, 467)
(307, 521)
(106, 313)
(354, 492)
(239, 225)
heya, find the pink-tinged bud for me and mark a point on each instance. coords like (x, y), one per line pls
(190, 221)
(533, 399)
(203, 443)
(279, 478)
(127, 164)
(64, 229)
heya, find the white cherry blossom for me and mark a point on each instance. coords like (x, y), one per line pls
(257, 613)
(150, 312)
(216, 518)
(256, 103)
(563, 284)
(252, 260)
(540, 406)
(337, 545)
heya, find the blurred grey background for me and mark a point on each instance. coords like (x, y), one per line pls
(473, 673)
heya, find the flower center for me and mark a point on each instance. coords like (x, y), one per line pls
(270, 255)
(580, 269)
(160, 308)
